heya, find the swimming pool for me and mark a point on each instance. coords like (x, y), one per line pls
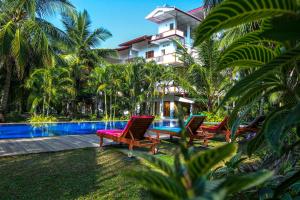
(12, 131)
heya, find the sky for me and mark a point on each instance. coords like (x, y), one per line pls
(125, 19)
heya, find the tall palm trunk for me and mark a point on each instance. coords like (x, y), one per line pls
(105, 104)
(110, 106)
(115, 103)
(6, 89)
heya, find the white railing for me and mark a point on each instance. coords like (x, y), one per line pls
(167, 34)
(165, 59)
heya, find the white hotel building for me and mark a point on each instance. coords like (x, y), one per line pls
(172, 23)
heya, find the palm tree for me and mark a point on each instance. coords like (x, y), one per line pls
(136, 85)
(26, 37)
(83, 56)
(49, 86)
(98, 83)
(201, 76)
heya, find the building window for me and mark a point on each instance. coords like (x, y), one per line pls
(166, 44)
(171, 26)
(163, 52)
(149, 54)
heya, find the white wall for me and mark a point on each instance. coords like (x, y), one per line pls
(165, 26)
(169, 47)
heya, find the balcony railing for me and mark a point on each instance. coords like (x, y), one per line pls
(168, 34)
(165, 59)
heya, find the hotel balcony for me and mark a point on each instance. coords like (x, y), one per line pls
(161, 37)
(168, 59)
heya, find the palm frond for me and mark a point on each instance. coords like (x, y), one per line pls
(246, 56)
(231, 13)
(160, 184)
(277, 62)
(201, 163)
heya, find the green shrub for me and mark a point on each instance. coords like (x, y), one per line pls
(42, 119)
(213, 117)
(125, 117)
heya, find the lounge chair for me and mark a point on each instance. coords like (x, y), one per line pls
(220, 128)
(192, 126)
(252, 127)
(134, 134)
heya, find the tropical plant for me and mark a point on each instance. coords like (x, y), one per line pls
(26, 38)
(84, 54)
(272, 55)
(202, 78)
(49, 86)
(42, 119)
(189, 177)
(135, 84)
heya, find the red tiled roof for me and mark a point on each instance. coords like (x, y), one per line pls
(136, 40)
(196, 9)
(187, 13)
(122, 48)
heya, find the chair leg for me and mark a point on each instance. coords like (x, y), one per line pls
(227, 136)
(191, 141)
(130, 147)
(101, 141)
(154, 149)
(157, 135)
(171, 137)
(205, 142)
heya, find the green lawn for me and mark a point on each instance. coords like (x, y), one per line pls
(77, 174)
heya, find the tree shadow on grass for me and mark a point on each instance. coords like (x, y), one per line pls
(85, 174)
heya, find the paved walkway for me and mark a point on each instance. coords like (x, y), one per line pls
(11, 147)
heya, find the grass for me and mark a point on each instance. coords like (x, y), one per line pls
(78, 174)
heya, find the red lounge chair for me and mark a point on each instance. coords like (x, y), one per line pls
(221, 128)
(192, 126)
(253, 126)
(133, 134)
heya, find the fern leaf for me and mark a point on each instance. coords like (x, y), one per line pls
(158, 163)
(202, 162)
(242, 182)
(231, 13)
(247, 55)
(276, 63)
(159, 184)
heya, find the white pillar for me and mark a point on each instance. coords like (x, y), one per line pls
(161, 108)
(191, 109)
(172, 109)
(189, 37)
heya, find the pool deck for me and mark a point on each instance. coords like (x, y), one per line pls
(13, 147)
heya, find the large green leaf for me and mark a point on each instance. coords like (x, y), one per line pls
(242, 182)
(247, 56)
(231, 13)
(256, 37)
(202, 162)
(159, 184)
(6, 37)
(281, 28)
(255, 143)
(293, 117)
(264, 71)
(282, 187)
(19, 51)
(158, 163)
(274, 130)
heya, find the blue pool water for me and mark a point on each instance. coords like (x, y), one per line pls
(10, 131)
